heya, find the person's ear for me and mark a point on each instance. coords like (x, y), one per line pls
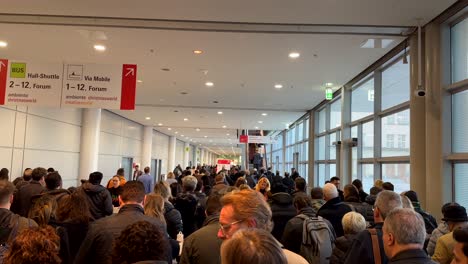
(144, 200)
(120, 201)
(11, 199)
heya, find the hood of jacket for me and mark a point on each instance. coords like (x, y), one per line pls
(91, 188)
(281, 198)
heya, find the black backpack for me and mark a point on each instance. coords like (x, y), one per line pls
(7, 234)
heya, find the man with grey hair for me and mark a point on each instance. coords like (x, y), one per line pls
(361, 251)
(333, 210)
(188, 205)
(403, 237)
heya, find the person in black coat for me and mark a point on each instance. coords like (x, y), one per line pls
(171, 215)
(353, 223)
(362, 193)
(186, 203)
(22, 199)
(333, 210)
(97, 245)
(282, 208)
(99, 198)
(351, 198)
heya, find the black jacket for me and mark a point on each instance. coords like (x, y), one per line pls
(187, 203)
(250, 181)
(363, 208)
(292, 235)
(412, 256)
(361, 248)
(97, 245)
(99, 200)
(289, 183)
(173, 220)
(283, 210)
(334, 210)
(342, 244)
(8, 222)
(22, 200)
(363, 195)
(203, 246)
(71, 237)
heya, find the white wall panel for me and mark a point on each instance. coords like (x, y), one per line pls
(131, 147)
(67, 115)
(132, 130)
(17, 164)
(161, 149)
(20, 129)
(179, 158)
(42, 133)
(5, 158)
(7, 118)
(111, 123)
(109, 165)
(66, 163)
(109, 144)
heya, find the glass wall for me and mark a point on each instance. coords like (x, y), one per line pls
(459, 109)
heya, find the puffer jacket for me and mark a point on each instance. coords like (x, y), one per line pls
(99, 200)
(342, 244)
(362, 208)
(173, 220)
(283, 210)
(441, 230)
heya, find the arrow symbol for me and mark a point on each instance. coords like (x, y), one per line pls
(2, 65)
(130, 71)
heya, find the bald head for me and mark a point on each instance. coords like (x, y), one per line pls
(329, 191)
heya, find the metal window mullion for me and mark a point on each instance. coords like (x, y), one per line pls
(377, 123)
(359, 153)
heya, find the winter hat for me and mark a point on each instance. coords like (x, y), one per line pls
(455, 213)
(412, 195)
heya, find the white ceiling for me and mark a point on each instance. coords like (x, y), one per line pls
(243, 66)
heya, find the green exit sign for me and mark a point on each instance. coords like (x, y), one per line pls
(328, 94)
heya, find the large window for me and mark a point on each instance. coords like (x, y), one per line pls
(398, 175)
(395, 85)
(396, 134)
(461, 184)
(460, 122)
(362, 100)
(459, 47)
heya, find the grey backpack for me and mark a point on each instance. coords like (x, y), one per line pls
(318, 238)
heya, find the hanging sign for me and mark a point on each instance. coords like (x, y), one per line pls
(67, 85)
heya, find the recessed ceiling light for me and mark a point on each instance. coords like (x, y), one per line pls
(278, 86)
(264, 114)
(139, 81)
(176, 132)
(3, 44)
(209, 84)
(328, 84)
(227, 134)
(191, 139)
(183, 93)
(294, 55)
(169, 128)
(198, 51)
(224, 126)
(220, 113)
(99, 47)
(205, 136)
(147, 118)
(256, 127)
(197, 129)
(160, 124)
(181, 135)
(215, 102)
(260, 122)
(185, 119)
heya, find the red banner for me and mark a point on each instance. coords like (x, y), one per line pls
(3, 80)
(127, 100)
(243, 139)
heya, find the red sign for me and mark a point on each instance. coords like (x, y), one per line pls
(224, 161)
(3, 80)
(127, 100)
(243, 139)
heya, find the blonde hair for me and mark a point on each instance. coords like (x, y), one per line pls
(353, 223)
(249, 204)
(43, 210)
(162, 188)
(170, 175)
(154, 207)
(264, 179)
(378, 183)
(252, 245)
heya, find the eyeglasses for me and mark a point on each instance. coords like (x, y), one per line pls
(225, 228)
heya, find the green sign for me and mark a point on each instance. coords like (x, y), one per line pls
(328, 94)
(18, 70)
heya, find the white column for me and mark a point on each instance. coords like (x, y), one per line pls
(147, 147)
(196, 156)
(89, 145)
(186, 154)
(172, 151)
(202, 155)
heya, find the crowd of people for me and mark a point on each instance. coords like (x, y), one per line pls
(200, 215)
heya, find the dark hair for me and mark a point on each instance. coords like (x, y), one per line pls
(49, 170)
(240, 181)
(95, 178)
(334, 178)
(213, 203)
(27, 177)
(316, 193)
(388, 186)
(53, 180)
(375, 190)
(146, 169)
(121, 172)
(300, 184)
(6, 190)
(461, 236)
(138, 242)
(133, 191)
(74, 208)
(358, 184)
(38, 173)
(34, 245)
(43, 210)
(4, 174)
(302, 201)
(350, 191)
